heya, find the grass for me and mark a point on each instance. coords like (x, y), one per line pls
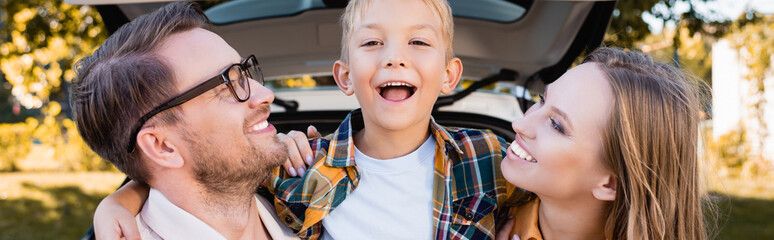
(746, 218)
(51, 205)
(745, 206)
(61, 205)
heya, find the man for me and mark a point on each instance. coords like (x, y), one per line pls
(172, 105)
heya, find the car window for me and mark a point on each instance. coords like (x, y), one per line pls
(491, 10)
(226, 12)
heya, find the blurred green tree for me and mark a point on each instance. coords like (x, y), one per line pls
(41, 39)
(688, 45)
(753, 35)
(628, 27)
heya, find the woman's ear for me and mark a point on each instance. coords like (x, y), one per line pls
(341, 75)
(453, 74)
(158, 148)
(605, 190)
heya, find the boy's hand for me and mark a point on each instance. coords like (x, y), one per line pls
(299, 150)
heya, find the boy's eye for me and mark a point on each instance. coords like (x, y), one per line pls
(371, 43)
(419, 42)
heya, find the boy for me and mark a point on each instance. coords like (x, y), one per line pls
(390, 171)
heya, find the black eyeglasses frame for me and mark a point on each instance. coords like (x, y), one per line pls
(203, 87)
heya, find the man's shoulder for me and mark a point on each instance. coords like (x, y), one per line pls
(160, 217)
(145, 231)
(271, 220)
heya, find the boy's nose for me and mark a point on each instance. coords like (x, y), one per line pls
(390, 64)
(395, 62)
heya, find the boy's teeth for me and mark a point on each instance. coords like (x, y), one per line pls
(396, 91)
(395, 84)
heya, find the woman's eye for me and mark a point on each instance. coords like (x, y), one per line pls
(541, 99)
(418, 42)
(370, 43)
(558, 127)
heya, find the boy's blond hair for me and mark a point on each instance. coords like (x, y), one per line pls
(356, 8)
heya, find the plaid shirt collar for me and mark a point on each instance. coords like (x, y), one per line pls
(467, 183)
(342, 152)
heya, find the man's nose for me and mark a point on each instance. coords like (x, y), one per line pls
(259, 95)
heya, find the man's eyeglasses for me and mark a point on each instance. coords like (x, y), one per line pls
(236, 77)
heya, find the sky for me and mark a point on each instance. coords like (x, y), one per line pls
(725, 9)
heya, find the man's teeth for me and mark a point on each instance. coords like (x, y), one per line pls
(259, 126)
(516, 149)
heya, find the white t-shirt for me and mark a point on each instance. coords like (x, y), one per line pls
(394, 199)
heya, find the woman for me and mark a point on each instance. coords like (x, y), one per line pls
(610, 152)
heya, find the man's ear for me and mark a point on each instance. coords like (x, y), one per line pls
(156, 145)
(605, 190)
(341, 75)
(453, 74)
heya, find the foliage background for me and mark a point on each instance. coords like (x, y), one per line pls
(50, 182)
(41, 40)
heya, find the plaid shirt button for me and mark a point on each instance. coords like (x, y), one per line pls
(468, 214)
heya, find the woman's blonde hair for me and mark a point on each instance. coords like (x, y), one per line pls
(357, 8)
(650, 143)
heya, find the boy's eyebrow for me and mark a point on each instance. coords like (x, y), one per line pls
(377, 26)
(559, 112)
(373, 26)
(423, 26)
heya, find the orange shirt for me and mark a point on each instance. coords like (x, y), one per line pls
(526, 221)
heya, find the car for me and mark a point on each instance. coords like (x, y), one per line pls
(510, 50)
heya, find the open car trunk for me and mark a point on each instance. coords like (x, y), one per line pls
(517, 44)
(509, 49)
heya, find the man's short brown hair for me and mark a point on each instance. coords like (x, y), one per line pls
(125, 79)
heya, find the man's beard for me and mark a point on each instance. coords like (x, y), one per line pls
(236, 169)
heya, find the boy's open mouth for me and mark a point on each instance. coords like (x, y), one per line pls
(396, 91)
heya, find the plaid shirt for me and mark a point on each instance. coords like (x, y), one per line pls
(467, 182)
